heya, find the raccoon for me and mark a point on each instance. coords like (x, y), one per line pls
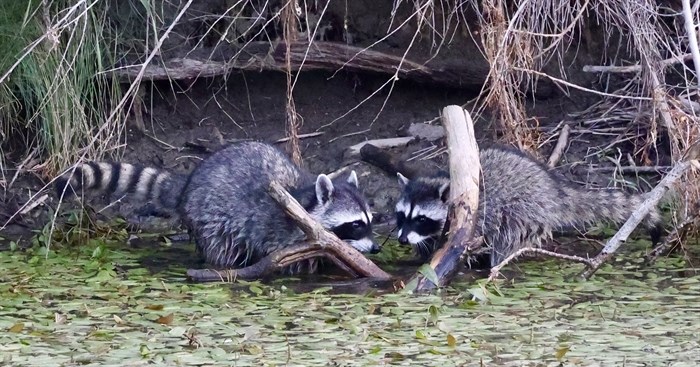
(520, 204)
(225, 204)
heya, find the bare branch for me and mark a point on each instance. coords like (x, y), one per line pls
(633, 68)
(496, 270)
(328, 241)
(638, 215)
(559, 148)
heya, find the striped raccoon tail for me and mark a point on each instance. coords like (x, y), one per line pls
(143, 183)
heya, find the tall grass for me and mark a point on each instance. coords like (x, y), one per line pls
(54, 96)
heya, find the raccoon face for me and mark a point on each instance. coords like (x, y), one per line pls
(421, 212)
(342, 209)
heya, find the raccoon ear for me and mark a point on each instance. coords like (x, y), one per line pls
(403, 181)
(352, 179)
(324, 189)
(444, 192)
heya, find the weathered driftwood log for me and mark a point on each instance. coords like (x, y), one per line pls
(257, 56)
(464, 200)
(320, 242)
(653, 198)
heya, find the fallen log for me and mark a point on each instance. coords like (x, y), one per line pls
(304, 56)
(319, 242)
(465, 169)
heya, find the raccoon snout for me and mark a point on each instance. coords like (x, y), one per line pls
(403, 239)
(375, 249)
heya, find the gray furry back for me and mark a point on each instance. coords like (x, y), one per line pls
(520, 204)
(523, 203)
(236, 222)
(228, 208)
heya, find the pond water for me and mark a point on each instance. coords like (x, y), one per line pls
(103, 305)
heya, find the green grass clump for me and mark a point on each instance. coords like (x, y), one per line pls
(53, 96)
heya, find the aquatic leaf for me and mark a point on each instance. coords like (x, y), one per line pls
(429, 273)
(479, 293)
(16, 328)
(155, 307)
(97, 252)
(451, 341)
(561, 352)
(256, 290)
(375, 349)
(165, 320)
(420, 335)
(395, 356)
(103, 275)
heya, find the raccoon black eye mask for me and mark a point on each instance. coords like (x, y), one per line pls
(225, 204)
(520, 204)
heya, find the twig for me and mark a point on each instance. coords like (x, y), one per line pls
(638, 215)
(633, 68)
(276, 261)
(341, 170)
(634, 169)
(575, 86)
(350, 134)
(559, 148)
(34, 204)
(670, 240)
(289, 26)
(496, 270)
(302, 136)
(692, 36)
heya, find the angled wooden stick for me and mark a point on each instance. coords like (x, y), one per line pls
(653, 198)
